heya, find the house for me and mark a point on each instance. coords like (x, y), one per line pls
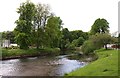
(5, 43)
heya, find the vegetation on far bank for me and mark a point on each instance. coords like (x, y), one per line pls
(105, 65)
(18, 53)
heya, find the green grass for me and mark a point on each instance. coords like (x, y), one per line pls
(106, 65)
(17, 52)
(30, 52)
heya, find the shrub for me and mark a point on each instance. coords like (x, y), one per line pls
(88, 47)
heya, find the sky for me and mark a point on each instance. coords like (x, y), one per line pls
(75, 14)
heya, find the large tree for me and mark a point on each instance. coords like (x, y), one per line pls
(101, 40)
(97, 41)
(42, 14)
(100, 26)
(53, 31)
(24, 24)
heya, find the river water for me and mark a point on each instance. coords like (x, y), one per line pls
(39, 66)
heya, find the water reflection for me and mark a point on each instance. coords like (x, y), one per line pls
(40, 66)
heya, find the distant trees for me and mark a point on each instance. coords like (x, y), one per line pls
(65, 40)
(8, 35)
(80, 41)
(72, 39)
(78, 33)
(78, 37)
(100, 26)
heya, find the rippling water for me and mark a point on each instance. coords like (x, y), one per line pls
(39, 66)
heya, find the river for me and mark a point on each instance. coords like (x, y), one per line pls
(39, 66)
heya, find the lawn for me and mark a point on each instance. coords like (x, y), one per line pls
(105, 65)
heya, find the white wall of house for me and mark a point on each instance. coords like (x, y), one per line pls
(6, 43)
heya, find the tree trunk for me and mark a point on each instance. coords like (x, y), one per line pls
(106, 46)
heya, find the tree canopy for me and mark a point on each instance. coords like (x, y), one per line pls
(24, 24)
(100, 26)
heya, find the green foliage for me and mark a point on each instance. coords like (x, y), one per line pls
(73, 44)
(72, 39)
(100, 26)
(66, 33)
(18, 52)
(8, 35)
(88, 47)
(53, 32)
(23, 40)
(6, 53)
(106, 65)
(76, 42)
(76, 34)
(101, 40)
(64, 44)
(65, 40)
(80, 41)
(40, 19)
(24, 24)
(96, 42)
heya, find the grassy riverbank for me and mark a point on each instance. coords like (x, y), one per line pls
(19, 53)
(105, 65)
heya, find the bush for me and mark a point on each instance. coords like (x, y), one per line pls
(23, 40)
(97, 41)
(88, 47)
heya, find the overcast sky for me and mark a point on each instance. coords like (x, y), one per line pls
(76, 14)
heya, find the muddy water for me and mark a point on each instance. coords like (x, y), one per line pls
(39, 66)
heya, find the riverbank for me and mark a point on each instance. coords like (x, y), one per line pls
(32, 52)
(105, 65)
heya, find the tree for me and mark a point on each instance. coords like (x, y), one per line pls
(78, 33)
(100, 26)
(53, 31)
(80, 41)
(77, 42)
(40, 19)
(75, 34)
(8, 35)
(101, 40)
(23, 40)
(65, 40)
(85, 35)
(24, 23)
(66, 34)
(88, 47)
(97, 41)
